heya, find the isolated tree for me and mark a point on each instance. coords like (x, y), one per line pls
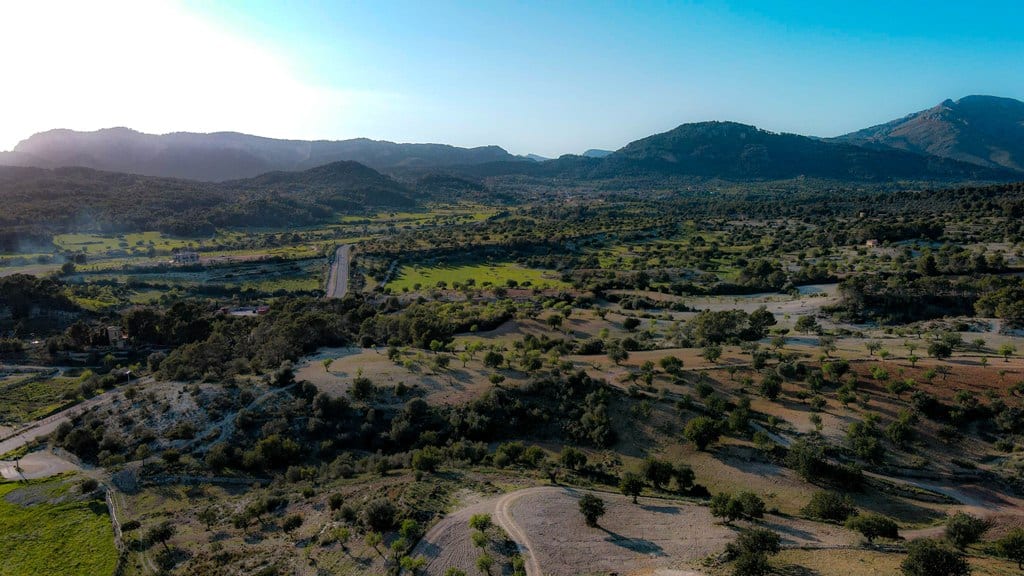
(454, 572)
(631, 485)
(480, 539)
(374, 540)
(484, 563)
(751, 505)
(806, 324)
(940, 350)
(712, 352)
(873, 347)
(702, 431)
(926, 557)
(555, 321)
(480, 522)
(873, 526)
(1007, 350)
(161, 533)
(592, 508)
(1011, 546)
(671, 364)
(828, 505)
(327, 364)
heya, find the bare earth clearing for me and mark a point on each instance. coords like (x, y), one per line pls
(655, 536)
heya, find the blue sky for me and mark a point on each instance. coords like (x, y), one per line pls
(543, 77)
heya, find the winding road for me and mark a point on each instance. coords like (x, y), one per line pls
(337, 278)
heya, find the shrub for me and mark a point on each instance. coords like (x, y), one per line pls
(1011, 546)
(962, 529)
(631, 485)
(426, 459)
(657, 472)
(744, 504)
(751, 504)
(873, 526)
(592, 508)
(755, 541)
(932, 558)
(751, 564)
(480, 522)
(828, 505)
(702, 431)
(379, 514)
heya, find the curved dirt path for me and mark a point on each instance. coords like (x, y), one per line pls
(503, 518)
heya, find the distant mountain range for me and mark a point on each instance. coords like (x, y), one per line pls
(975, 138)
(983, 130)
(227, 155)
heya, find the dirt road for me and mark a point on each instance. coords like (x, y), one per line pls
(337, 279)
(503, 517)
(39, 428)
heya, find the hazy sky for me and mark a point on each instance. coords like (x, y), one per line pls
(547, 77)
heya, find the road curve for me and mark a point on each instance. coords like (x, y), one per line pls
(337, 278)
(503, 518)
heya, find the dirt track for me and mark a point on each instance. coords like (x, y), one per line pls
(45, 426)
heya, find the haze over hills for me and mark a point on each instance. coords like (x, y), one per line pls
(39, 201)
(228, 155)
(975, 138)
(983, 130)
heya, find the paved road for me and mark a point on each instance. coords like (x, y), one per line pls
(337, 279)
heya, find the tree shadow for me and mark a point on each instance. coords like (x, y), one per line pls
(660, 509)
(795, 570)
(638, 545)
(789, 533)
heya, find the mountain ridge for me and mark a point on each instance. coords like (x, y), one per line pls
(983, 130)
(222, 156)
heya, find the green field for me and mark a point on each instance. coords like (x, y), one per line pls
(25, 402)
(484, 274)
(46, 529)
